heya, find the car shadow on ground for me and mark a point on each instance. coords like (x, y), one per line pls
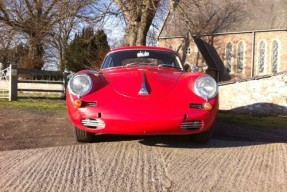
(225, 135)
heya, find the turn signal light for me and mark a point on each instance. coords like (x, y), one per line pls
(77, 103)
(207, 106)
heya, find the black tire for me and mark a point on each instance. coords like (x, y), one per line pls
(202, 138)
(83, 136)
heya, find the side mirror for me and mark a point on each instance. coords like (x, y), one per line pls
(194, 69)
(189, 68)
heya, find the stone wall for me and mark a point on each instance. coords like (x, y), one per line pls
(265, 95)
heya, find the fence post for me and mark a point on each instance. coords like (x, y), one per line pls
(13, 81)
(65, 80)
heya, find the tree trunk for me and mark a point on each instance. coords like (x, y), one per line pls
(34, 58)
(138, 15)
(36, 50)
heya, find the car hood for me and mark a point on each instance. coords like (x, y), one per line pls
(150, 81)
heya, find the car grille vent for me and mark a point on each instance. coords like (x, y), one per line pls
(91, 104)
(191, 125)
(196, 106)
(93, 123)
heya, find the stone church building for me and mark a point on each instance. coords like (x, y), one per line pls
(245, 45)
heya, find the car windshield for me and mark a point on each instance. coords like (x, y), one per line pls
(142, 57)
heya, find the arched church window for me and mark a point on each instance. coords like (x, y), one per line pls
(275, 55)
(228, 56)
(240, 57)
(261, 58)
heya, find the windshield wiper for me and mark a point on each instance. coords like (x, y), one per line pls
(130, 64)
(169, 66)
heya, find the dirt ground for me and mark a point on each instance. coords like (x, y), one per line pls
(24, 128)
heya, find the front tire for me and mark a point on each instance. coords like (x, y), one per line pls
(202, 138)
(83, 136)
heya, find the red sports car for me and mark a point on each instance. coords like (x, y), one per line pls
(142, 91)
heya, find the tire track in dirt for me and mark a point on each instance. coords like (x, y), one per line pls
(134, 166)
(230, 169)
(46, 162)
(56, 171)
(8, 163)
(117, 161)
(184, 160)
(15, 181)
(38, 171)
(241, 163)
(46, 171)
(268, 169)
(130, 167)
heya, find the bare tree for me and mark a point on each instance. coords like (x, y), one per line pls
(6, 41)
(138, 15)
(49, 26)
(44, 22)
(34, 18)
(208, 16)
(158, 21)
(62, 32)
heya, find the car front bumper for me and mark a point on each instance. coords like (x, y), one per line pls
(150, 120)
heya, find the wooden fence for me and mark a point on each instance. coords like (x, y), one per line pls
(36, 81)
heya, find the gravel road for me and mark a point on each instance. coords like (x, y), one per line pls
(147, 164)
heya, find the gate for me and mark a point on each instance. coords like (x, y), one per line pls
(36, 81)
(5, 83)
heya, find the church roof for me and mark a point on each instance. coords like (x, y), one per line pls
(251, 15)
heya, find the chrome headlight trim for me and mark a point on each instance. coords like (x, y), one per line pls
(205, 87)
(80, 85)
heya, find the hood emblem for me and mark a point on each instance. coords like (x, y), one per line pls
(143, 89)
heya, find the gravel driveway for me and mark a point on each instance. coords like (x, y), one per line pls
(147, 164)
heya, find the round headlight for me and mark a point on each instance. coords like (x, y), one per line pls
(80, 85)
(205, 87)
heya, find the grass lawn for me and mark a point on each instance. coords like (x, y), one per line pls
(253, 121)
(56, 105)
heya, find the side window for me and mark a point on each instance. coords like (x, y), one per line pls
(228, 56)
(275, 56)
(240, 57)
(111, 62)
(262, 55)
(108, 62)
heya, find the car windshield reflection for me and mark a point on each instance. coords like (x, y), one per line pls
(142, 57)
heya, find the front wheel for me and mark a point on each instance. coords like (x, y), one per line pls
(202, 138)
(83, 136)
